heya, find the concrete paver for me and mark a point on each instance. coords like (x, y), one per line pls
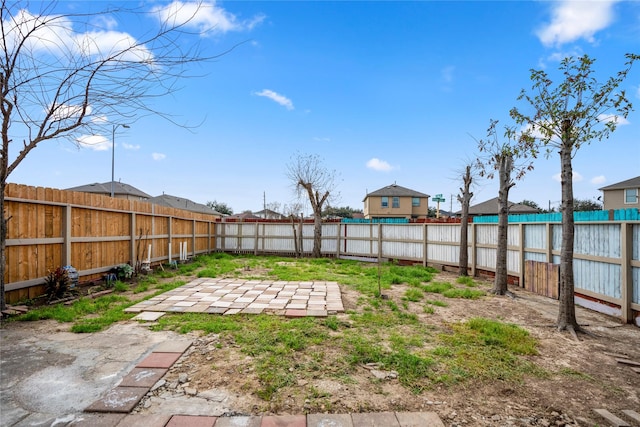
(143, 377)
(329, 420)
(379, 419)
(191, 421)
(151, 420)
(97, 420)
(233, 296)
(284, 421)
(239, 421)
(159, 360)
(119, 400)
(174, 346)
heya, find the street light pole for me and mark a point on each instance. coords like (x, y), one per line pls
(113, 152)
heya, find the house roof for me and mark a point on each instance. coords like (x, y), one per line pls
(182, 203)
(395, 190)
(629, 183)
(119, 188)
(490, 207)
(269, 213)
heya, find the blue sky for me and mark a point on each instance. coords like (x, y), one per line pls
(383, 92)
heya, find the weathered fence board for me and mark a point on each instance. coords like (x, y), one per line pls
(542, 278)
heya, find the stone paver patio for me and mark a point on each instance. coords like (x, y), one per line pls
(234, 296)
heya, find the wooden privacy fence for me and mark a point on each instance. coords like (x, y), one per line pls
(606, 254)
(49, 228)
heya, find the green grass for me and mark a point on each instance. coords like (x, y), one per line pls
(466, 280)
(463, 293)
(283, 351)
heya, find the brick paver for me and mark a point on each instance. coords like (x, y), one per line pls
(159, 360)
(191, 421)
(233, 296)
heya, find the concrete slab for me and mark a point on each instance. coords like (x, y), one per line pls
(149, 316)
(191, 421)
(119, 400)
(329, 420)
(615, 421)
(632, 414)
(143, 377)
(419, 419)
(159, 360)
(295, 312)
(284, 421)
(97, 420)
(380, 419)
(173, 346)
(238, 422)
(152, 420)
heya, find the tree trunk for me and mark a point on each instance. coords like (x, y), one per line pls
(317, 233)
(500, 284)
(567, 310)
(3, 246)
(465, 199)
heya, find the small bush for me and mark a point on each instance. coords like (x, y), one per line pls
(56, 283)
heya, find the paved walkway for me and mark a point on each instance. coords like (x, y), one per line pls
(233, 296)
(113, 409)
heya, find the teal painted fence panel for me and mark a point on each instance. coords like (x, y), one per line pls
(375, 221)
(582, 216)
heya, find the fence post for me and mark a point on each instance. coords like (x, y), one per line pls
(379, 242)
(473, 248)
(256, 238)
(132, 241)
(66, 234)
(626, 276)
(193, 237)
(425, 248)
(549, 231)
(169, 238)
(521, 250)
(338, 239)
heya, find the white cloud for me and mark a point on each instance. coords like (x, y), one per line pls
(447, 73)
(158, 156)
(94, 142)
(318, 139)
(54, 34)
(130, 146)
(276, 97)
(576, 177)
(613, 118)
(205, 17)
(379, 165)
(572, 20)
(597, 180)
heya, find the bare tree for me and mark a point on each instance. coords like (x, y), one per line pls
(465, 200)
(59, 84)
(291, 211)
(506, 157)
(310, 177)
(565, 116)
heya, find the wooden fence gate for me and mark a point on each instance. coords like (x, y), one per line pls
(542, 278)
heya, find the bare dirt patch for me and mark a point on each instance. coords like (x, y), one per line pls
(581, 375)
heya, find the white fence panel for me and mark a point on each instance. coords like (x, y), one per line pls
(597, 277)
(443, 254)
(598, 240)
(443, 233)
(486, 258)
(402, 250)
(535, 236)
(486, 234)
